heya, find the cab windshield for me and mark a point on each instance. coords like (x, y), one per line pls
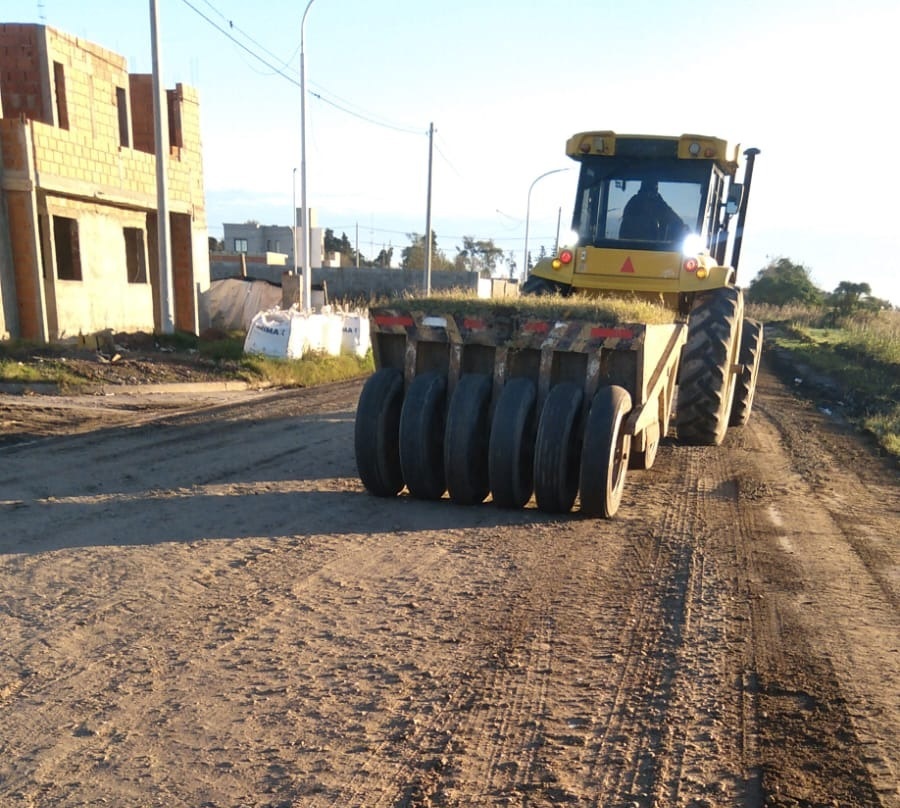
(646, 204)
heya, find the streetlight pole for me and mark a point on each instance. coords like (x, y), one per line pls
(528, 214)
(294, 218)
(307, 270)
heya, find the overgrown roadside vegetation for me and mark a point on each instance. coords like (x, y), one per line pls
(228, 351)
(854, 361)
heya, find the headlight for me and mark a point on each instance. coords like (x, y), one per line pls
(692, 244)
(569, 239)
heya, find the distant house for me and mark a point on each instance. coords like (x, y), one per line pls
(254, 239)
(78, 214)
(265, 252)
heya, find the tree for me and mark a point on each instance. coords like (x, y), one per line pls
(511, 263)
(478, 255)
(845, 299)
(384, 258)
(782, 282)
(849, 298)
(215, 245)
(413, 256)
(342, 247)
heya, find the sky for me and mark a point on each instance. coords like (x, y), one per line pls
(812, 84)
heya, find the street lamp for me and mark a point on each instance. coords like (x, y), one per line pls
(307, 270)
(294, 218)
(528, 213)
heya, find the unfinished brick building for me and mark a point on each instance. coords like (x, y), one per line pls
(78, 219)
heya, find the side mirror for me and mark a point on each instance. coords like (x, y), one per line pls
(733, 201)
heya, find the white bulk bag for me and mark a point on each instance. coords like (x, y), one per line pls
(277, 332)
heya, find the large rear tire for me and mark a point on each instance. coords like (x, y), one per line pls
(377, 433)
(466, 440)
(422, 436)
(557, 449)
(604, 454)
(535, 285)
(705, 379)
(511, 447)
(745, 383)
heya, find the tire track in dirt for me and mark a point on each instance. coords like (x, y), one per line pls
(704, 752)
(843, 601)
(667, 729)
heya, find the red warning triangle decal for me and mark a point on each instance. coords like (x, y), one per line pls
(627, 266)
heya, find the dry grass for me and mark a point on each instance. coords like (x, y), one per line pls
(877, 334)
(861, 353)
(602, 310)
(793, 315)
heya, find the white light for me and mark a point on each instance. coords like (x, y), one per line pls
(692, 244)
(569, 239)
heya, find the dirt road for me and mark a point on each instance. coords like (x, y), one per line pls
(204, 608)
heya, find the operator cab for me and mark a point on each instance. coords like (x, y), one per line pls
(651, 217)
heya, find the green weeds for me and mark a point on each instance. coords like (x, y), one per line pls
(861, 354)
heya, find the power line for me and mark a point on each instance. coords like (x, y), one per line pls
(384, 124)
(240, 44)
(448, 162)
(368, 118)
(262, 47)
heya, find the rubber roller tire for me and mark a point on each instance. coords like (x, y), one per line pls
(511, 447)
(604, 453)
(466, 440)
(557, 449)
(422, 423)
(376, 438)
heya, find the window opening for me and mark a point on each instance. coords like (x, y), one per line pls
(62, 108)
(176, 134)
(122, 107)
(135, 257)
(68, 252)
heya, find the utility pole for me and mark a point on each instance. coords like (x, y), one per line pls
(307, 269)
(161, 138)
(428, 214)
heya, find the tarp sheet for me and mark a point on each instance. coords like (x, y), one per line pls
(231, 303)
